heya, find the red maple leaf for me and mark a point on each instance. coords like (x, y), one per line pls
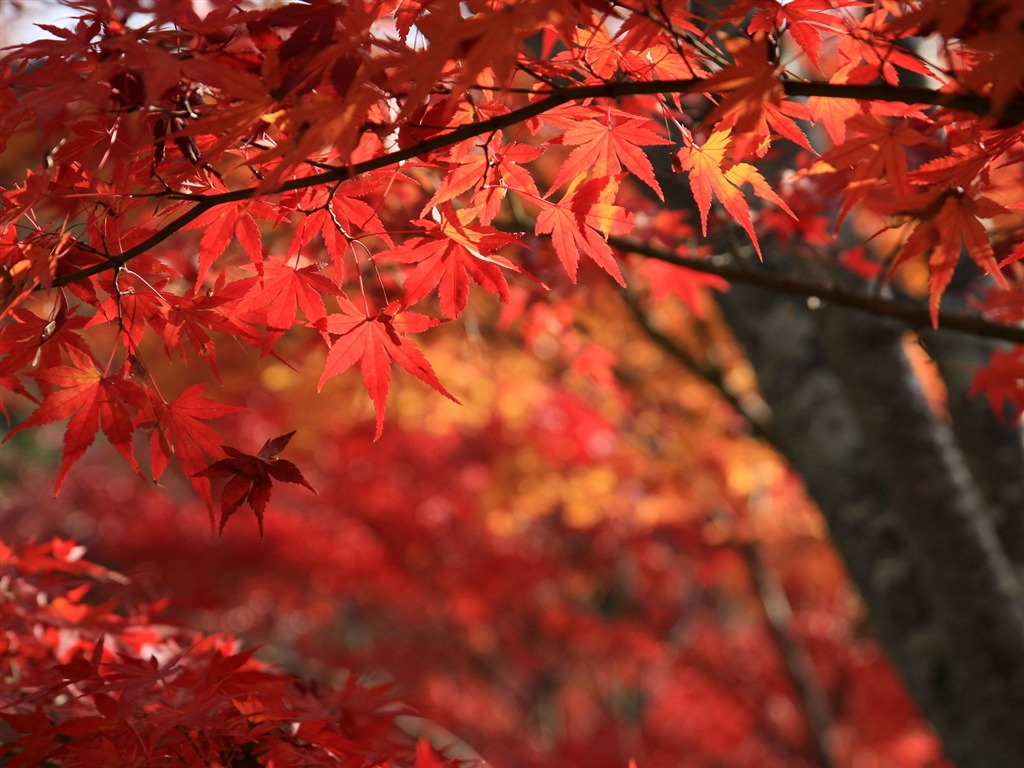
(833, 113)
(806, 21)
(91, 400)
(1002, 381)
(492, 175)
(28, 341)
(878, 153)
(508, 173)
(449, 255)
(604, 144)
(191, 318)
(753, 103)
(341, 217)
(26, 265)
(179, 431)
(949, 220)
(252, 478)
(374, 341)
(224, 223)
(579, 223)
(686, 284)
(471, 171)
(283, 290)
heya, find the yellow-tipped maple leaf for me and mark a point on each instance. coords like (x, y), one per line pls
(580, 223)
(711, 172)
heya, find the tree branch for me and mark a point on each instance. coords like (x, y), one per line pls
(965, 575)
(914, 315)
(760, 423)
(778, 614)
(967, 102)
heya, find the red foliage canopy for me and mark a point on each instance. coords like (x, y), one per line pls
(298, 138)
(317, 183)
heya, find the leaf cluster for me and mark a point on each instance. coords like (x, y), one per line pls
(92, 677)
(328, 179)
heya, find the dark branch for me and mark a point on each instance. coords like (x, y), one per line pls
(967, 102)
(913, 314)
(778, 613)
(759, 423)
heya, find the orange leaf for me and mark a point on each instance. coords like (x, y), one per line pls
(374, 341)
(579, 223)
(953, 225)
(606, 143)
(451, 254)
(710, 173)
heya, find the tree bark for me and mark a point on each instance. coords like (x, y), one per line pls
(991, 443)
(929, 519)
(902, 509)
(966, 578)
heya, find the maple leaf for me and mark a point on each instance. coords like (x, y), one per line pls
(753, 101)
(580, 222)
(491, 174)
(604, 144)
(686, 284)
(224, 223)
(340, 217)
(131, 304)
(607, 56)
(178, 430)
(90, 400)
(877, 155)
(252, 478)
(881, 55)
(748, 83)
(804, 20)
(958, 169)
(449, 255)
(948, 221)
(28, 341)
(710, 173)
(832, 112)
(506, 174)
(1002, 381)
(26, 266)
(374, 341)
(470, 172)
(282, 290)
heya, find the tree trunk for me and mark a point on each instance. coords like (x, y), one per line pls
(929, 519)
(903, 510)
